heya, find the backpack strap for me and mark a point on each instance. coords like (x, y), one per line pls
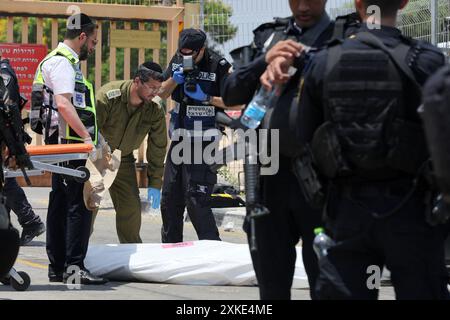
(398, 55)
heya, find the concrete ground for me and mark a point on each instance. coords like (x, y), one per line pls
(33, 260)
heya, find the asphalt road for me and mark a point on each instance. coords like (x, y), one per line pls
(33, 260)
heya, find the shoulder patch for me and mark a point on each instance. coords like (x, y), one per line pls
(157, 100)
(111, 94)
(223, 62)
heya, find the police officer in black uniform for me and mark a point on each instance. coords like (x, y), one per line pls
(436, 101)
(290, 218)
(9, 243)
(9, 236)
(16, 200)
(197, 98)
(358, 114)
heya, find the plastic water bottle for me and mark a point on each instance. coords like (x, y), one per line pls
(256, 109)
(322, 243)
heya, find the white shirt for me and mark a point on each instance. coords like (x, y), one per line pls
(59, 76)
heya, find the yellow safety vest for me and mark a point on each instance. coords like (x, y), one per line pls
(83, 100)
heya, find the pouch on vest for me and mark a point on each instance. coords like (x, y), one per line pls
(308, 178)
(327, 152)
(37, 109)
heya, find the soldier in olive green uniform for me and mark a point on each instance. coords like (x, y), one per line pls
(126, 114)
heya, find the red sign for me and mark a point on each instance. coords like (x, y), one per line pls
(25, 59)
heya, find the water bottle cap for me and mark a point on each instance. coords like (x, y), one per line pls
(318, 231)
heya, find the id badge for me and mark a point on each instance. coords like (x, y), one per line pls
(79, 100)
(200, 111)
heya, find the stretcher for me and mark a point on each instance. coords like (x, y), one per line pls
(51, 158)
(48, 158)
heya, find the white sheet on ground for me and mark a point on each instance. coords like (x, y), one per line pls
(191, 263)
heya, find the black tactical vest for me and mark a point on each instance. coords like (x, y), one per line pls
(365, 129)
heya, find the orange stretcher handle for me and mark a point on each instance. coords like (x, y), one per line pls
(59, 149)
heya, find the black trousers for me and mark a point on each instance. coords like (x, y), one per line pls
(412, 250)
(17, 201)
(68, 222)
(187, 185)
(278, 233)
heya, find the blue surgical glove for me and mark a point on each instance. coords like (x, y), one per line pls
(178, 76)
(154, 196)
(198, 94)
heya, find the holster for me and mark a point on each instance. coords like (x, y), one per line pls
(308, 179)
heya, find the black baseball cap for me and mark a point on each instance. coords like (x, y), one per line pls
(193, 39)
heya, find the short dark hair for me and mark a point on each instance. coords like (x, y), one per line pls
(79, 23)
(149, 70)
(388, 7)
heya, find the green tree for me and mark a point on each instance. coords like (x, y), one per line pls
(217, 24)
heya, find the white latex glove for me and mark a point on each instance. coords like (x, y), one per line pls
(103, 145)
(93, 154)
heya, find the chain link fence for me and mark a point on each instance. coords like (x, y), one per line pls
(230, 23)
(427, 20)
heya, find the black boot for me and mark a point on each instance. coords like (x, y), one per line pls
(30, 231)
(55, 275)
